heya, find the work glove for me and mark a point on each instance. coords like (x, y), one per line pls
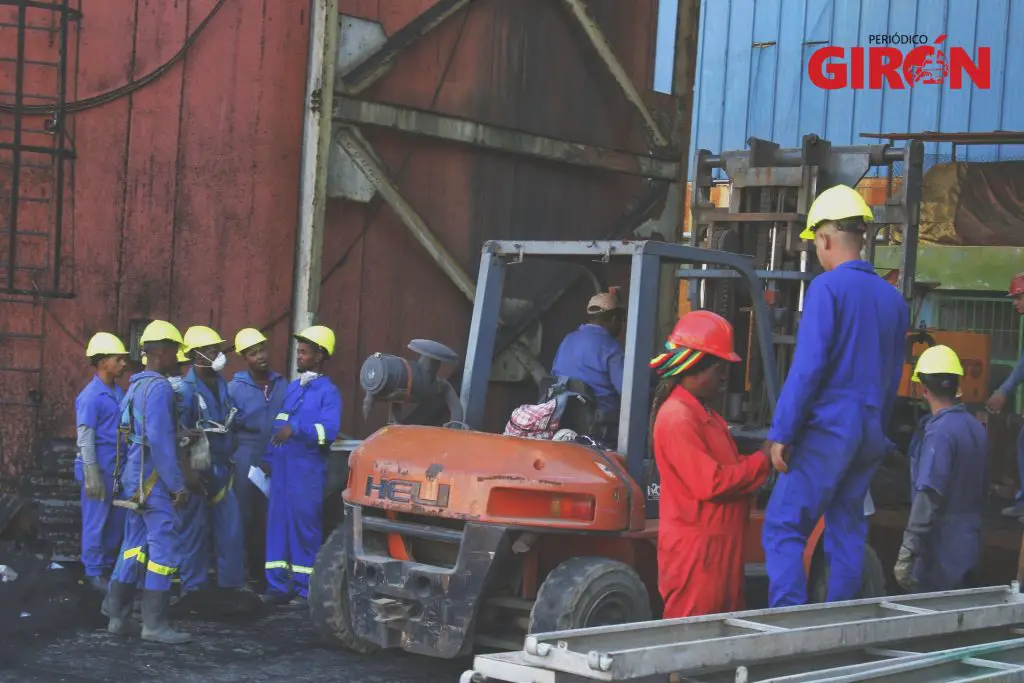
(903, 571)
(94, 487)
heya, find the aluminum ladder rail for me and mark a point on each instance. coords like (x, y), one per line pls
(652, 651)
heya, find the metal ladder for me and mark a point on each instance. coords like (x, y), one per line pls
(947, 636)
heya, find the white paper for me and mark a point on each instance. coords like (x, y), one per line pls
(261, 480)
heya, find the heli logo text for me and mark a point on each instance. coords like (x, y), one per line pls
(917, 62)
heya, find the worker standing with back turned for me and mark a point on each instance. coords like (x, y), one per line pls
(997, 401)
(706, 485)
(97, 416)
(152, 479)
(304, 430)
(827, 436)
(948, 475)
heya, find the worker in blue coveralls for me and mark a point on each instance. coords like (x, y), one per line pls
(211, 522)
(948, 474)
(258, 393)
(997, 401)
(827, 436)
(153, 483)
(97, 416)
(593, 355)
(308, 423)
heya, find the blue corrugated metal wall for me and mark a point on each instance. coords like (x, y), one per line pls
(752, 73)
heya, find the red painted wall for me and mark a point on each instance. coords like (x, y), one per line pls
(184, 195)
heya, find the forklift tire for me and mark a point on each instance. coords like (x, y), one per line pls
(589, 591)
(328, 596)
(872, 578)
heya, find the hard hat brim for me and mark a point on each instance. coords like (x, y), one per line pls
(807, 234)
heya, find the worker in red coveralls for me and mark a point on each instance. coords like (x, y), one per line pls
(706, 485)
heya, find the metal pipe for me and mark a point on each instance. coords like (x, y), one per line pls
(58, 118)
(879, 155)
(19, 81)
(316, 139)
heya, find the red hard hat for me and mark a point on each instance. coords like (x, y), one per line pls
(705, 331)
(1017, 285)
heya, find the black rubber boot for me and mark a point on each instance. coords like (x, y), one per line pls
(155, 627)
(118, 606)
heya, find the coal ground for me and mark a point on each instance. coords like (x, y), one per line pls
(51, 631)
(277, 647)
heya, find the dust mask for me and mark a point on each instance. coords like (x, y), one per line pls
(307, 377)
(218, 363)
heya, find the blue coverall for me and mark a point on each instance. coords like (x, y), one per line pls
(257, 407)
(593, 356)
(214, 519)
(297, 479)
(99, 408)
(949, 455)
(832, 412)
(1006, 389)
(151, 535)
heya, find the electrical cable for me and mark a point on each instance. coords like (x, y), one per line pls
(127, 88)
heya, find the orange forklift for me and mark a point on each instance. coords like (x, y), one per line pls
(454, 539)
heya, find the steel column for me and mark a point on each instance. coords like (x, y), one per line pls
(913, 166)
(316, 142)
(483, 331)
(466, 131)
(641, 319)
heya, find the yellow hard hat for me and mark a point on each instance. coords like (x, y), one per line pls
(835, 204)
(319, 335)
(938, 360)
(200, 336)
(105, 344)
(182, 358)
(160, 330)
(248, 338)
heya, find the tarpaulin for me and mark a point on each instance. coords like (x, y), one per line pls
(991, 208)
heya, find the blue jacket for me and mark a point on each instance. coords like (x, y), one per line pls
(949, 455)
(850, 350)
(1015, 378)
(593, 356)
(99, 408)
(256, 408)
(314, 413)
(222, 446)
(150, 406)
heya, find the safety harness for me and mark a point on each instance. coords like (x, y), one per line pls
(126, 431)
(205, 425)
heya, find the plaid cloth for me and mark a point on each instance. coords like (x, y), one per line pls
(534, 421)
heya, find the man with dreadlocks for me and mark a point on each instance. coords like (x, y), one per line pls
(706, 485)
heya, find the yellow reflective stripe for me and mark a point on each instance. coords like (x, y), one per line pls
(147, 487)
(321, 433)
(281, 416)
(224, 491)
(301, 570)
(160, 569)
(136, 553)
(277, 564)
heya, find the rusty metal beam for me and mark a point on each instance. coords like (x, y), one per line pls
(578, 9)
(370, 70)
(466, 131)
(361, 153)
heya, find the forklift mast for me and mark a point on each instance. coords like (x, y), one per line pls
(771, 190)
